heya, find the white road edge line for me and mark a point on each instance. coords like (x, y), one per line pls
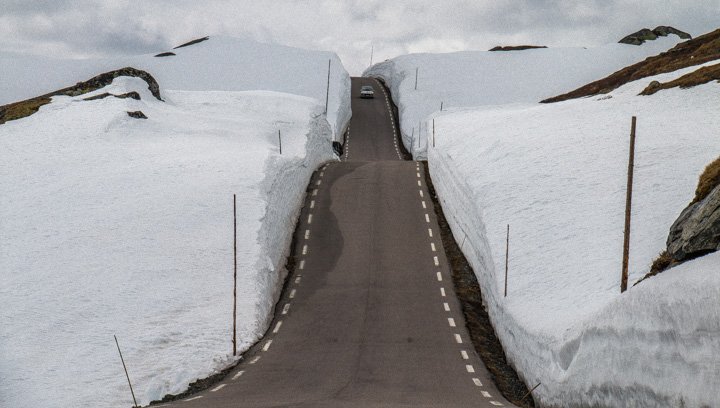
(194, 398)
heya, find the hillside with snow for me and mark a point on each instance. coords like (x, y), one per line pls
(556, 173)
(113, 225)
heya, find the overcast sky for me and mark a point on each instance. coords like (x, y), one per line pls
(91, 28)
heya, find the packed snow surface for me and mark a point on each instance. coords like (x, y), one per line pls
(118, 226)
(556, 174)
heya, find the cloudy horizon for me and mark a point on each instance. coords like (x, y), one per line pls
(98, 28)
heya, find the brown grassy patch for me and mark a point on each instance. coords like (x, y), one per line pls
(659, 265)
(709, 179)
(689, 53)
(699, 77)
(22, 109)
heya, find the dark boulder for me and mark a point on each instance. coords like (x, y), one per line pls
(697, 231)
(137, 115)
(648, 35)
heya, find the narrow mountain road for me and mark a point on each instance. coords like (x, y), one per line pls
(369, 317)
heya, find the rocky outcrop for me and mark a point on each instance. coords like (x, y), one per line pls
(516, 47)
(648, 35)
(137, 115)
(697, 231)
(689, 53)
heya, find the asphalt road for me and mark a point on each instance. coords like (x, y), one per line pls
(369, 317)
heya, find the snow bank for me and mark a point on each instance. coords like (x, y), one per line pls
(480, 78)
(114, 225)
(556, 173)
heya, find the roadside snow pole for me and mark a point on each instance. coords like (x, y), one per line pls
(628, 208)
(280, 141)
(441, 105)
(416, 73)
(372, 49)
(235, 275)
(126, 373)
(327, 93)
(507, 252)
(433, 132)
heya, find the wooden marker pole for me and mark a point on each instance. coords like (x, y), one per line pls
(628, 209)
(507, 252)
(433, 132)
(327, 93)
(126, 373)
(235, 275)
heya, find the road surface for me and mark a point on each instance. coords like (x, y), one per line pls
(369, 317)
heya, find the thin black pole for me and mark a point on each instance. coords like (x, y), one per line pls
(372, 49)
(416, 75)
(507, 252)
(235, 275)
(327, 94)
(280, 141)
(126, 373)
(628, 209)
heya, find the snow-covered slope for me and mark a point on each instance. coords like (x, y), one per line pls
(221, 63)
(556, 173)
(114, 225)
(480, 78)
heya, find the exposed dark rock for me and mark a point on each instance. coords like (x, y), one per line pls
(516, 47)
(166, 54)
(699, 77)
(132, 95)
(199, 40)
(137, 115)
(697, 231)
(648, 35)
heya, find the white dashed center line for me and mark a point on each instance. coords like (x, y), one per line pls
(445, 305)
(424, 206)
(255, 360)
(236, 376)
(477, 382)
(277, 327)
(486, 394)
(312, 204)
(421, 193)
(442, 291)
(427, 218)
(309, 218)
(464, 355)
(292, 293)
(266, 347)
(319, 182)
(469, 368)
(418, 175)
(304, 249)
(437, 262)
(458, 339)
(219, 387)
(451, 322)
(307, 234)
(297, 280)
(439, 276)
(194, 398)
(430, 232)
(302, 266)
(315, 192)
(419, 183)
(286, 309)
(432, 246)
